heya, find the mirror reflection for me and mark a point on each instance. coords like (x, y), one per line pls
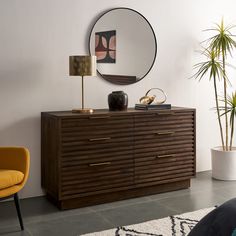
(125, 45)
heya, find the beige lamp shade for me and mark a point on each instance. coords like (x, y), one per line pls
(83, 65)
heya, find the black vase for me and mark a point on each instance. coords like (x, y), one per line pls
(118, 101)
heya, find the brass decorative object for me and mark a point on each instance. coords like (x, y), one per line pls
(152, 99)
(82, 66)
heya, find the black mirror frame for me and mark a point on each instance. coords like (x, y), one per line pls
(155, 40)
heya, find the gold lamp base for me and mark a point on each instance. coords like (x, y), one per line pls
(83, 110)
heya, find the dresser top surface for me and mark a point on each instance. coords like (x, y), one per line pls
(106, 112)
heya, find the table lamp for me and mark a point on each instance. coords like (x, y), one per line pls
(82, 66)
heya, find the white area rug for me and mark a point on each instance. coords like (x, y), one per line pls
(178, 225)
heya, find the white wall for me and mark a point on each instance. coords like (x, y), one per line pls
(37, 37)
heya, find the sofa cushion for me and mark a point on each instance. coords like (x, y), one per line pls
(10, 178)
(219, 222)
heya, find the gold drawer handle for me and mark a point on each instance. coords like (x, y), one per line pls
(165, 133)
(164, 113)
(99, 139)
(100, 164)
(164, 156)
(98, 117)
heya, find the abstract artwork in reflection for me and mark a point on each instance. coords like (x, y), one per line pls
(105, 46)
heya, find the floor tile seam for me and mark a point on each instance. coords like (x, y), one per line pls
(29, 232)
(102, 217)
(10, 225)
(177, 195)
(169, 208)
(105, 219)
(92, 210)
(188, 195)
(17, 231)
(38, 219)
(61, 217)
(219, 191)
(122, 205)
(195, 209)
(162, 198)
(193, 191)
(215, 188)
(222, 197)
(11, 221)
(176, 209)
(55, 216)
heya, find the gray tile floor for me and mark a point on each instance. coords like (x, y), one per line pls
(43, 219)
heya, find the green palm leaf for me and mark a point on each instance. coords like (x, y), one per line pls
(212, 65)
(222, 42)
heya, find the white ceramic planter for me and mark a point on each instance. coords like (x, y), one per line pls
(223, 163)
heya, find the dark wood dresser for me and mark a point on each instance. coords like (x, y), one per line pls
(105, 156)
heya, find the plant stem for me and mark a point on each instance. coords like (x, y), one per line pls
(225, 99)
(218, 114)
(232, 133)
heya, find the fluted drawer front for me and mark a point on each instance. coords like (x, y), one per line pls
(164, 147)
(102, 150)
(93, 171)
(98, 136)
(164, 124)
(154, 158)
(96, 155)
(90, 144)
(151, 143)
(160, 166)
(100, 133)
(96, 176)
(86, 157)
(95, 127)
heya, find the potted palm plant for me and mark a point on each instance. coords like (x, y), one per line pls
(224, 161)
(217, 49)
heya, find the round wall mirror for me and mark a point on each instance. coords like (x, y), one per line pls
(125, 45)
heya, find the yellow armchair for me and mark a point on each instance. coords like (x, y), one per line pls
(14, 172)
